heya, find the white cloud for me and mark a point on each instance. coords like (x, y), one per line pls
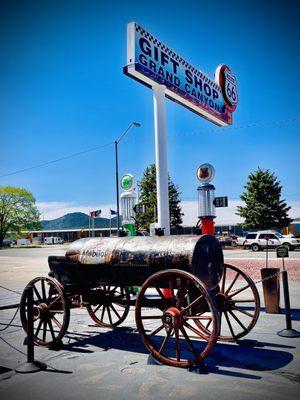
(225, 216)
(295, 209)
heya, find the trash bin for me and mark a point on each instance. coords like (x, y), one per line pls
(271, 289)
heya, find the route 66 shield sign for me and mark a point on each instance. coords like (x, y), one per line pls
(227, 81)
(230, 87)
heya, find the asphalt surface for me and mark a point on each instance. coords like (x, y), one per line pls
(239, 253)
(97, 363)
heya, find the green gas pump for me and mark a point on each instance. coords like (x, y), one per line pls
(128, 201)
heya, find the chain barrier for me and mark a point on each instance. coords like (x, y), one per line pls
(11, 321)
(12, 346)
(267, 278)
(16, 312)
(259, 281)
(10, 290)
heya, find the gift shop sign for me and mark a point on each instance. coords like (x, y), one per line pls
(151, 62)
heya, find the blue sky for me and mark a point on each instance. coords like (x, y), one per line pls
(62, 91)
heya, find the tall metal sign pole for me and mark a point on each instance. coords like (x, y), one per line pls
(163, 214)
(117, 187)
(154, 64)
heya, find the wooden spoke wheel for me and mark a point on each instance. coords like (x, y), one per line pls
(51, 315)
(114, 307)
(167, 323)
(238, 304)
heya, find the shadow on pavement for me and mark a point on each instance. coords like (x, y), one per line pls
(4, 370)
(247, 355)
(295, 312)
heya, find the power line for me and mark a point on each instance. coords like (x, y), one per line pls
(246, 126)
(57, 160)
(229, 128)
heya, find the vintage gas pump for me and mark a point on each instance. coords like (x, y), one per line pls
(206, 196)
(128, 200)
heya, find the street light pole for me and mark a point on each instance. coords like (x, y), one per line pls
(137, 124)
(117, 187)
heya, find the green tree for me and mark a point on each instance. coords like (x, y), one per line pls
(147, 187)
(17, 211)
(263, 207)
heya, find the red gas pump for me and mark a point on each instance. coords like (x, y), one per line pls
(206, 196)
(206, 208)
(207, 226)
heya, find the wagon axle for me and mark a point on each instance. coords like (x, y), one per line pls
(224, 303)
(41, 312)
(172, 318)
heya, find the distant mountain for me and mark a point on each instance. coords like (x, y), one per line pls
(76, 220)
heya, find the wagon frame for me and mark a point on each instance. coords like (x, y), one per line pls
(178, 318)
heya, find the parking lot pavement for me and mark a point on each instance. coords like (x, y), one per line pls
(97, 363)
(237, 252)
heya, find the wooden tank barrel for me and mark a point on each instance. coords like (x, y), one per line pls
(131, 260)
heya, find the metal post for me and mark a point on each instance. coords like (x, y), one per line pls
(109, 222)
(30, 365)
(163, 215)
(30, 337)
(285, 286)
(117, 186)
(138, 191)
(289, 331)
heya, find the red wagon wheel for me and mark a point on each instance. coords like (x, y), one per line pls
(238, 304)
(51, 315)
(114, 308)
(168, 325)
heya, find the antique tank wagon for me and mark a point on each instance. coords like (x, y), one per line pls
(188, 297)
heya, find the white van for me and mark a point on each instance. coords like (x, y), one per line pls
(23, 242)
(53, 240)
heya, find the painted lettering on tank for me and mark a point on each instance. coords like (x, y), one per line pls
(95, 254)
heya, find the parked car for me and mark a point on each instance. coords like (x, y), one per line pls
(240, 240)
(7, 242)
(262, 239)
(142, 233)
(226, 240)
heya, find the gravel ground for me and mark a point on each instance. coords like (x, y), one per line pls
(253, 267)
